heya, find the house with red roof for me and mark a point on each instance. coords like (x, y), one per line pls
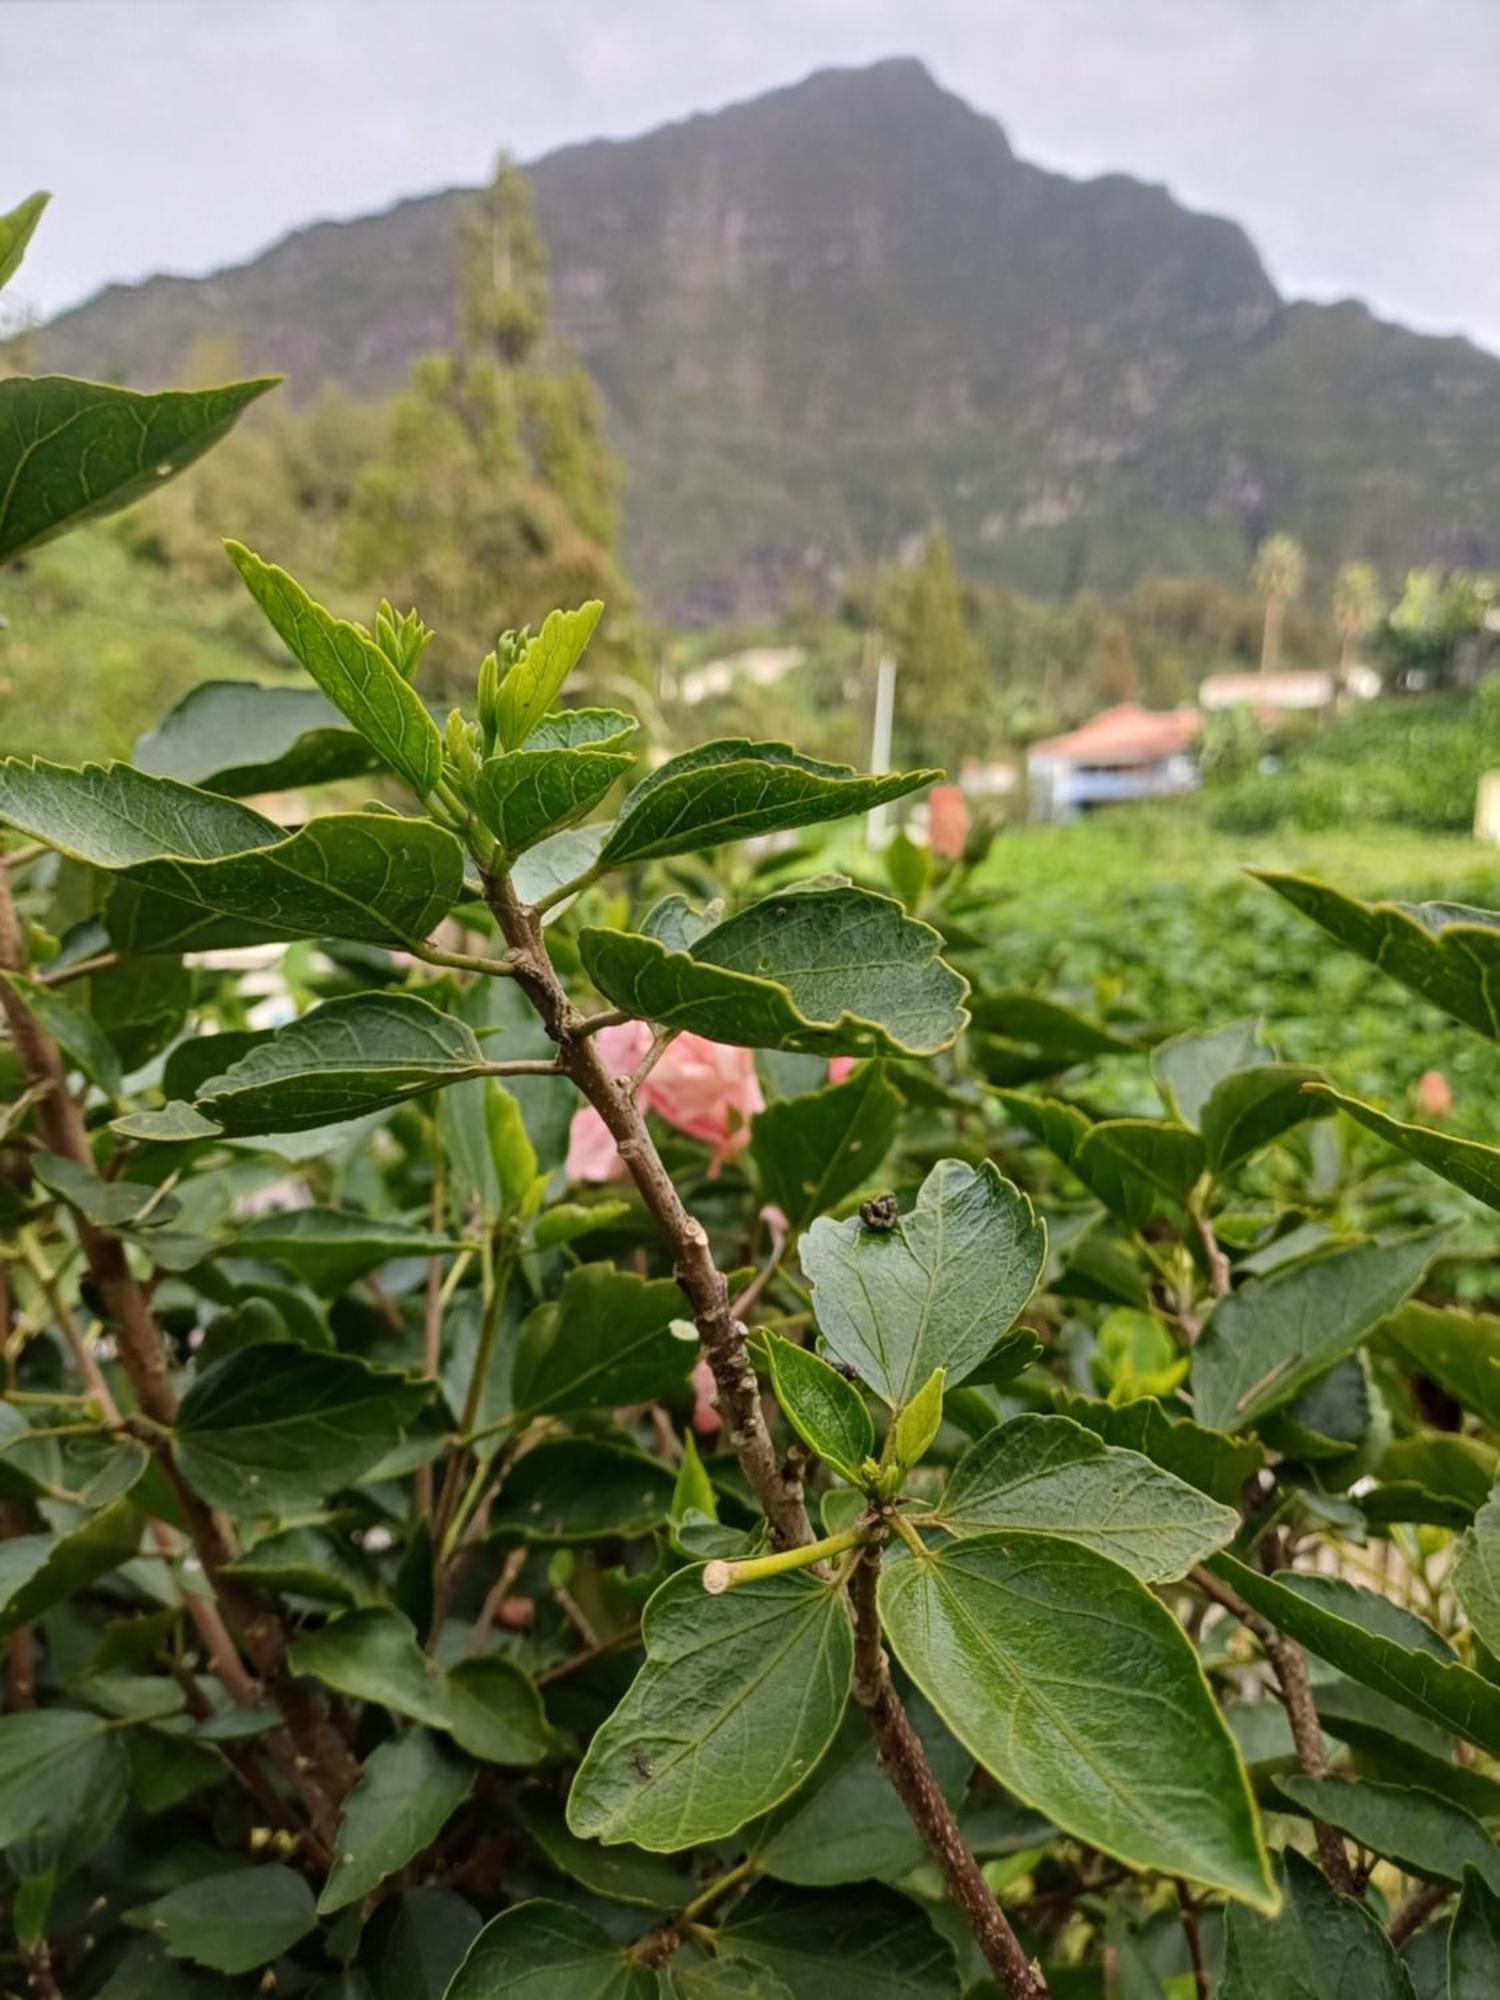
(1126, 753)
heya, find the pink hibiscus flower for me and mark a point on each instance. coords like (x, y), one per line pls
(947, 821)
(703, 1088)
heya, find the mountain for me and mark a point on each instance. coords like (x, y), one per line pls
(824, 319)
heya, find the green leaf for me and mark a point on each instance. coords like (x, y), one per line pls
(495, 1713)
(72, 451)
(693, 1490)
(331, 1248)
(919, 1421)
(1189, 1068)
(1464, 1162)
(373, 1656)
(343, 1059)
(1065, 1677)
(566, 1221)
(351, 670)
(527, 794)
(620, 1874)
(535, 680)
(1251, 1108)
(937, 1291)
(17, 227)
(867, 1941)
(1423, 1835)
(1323, 1946)
(1444, 951)
(811, 1152)
(554, 863)
(1215, 1464)
(405, 1794)
(739, 1697)
(275, 1428)
(1054, 1035)
(1135, 1165)
(609, 1339)
(236, 737)
(1474, 1943)
(1274, 1335)
(37, 1571)
(51, 1761)
(1475, 1577)
(1375, 1643)
(582, 729)
(830, 972)
(107, 1204)
(1459, 1350)
(77, 1034)
(417, 1941)
(1051, 1476)
(735, 790)
(308, 1562)
(234, 1922)
(575, 1489)
(825, 1411)
(545, 1951)
(193, 861)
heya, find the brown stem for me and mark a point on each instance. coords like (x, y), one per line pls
(20, 1678)
(904, 1762)
(1290, 1669)
(1187, 1905)
(1417, 1908)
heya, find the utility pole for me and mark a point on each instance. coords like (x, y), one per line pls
(878, 823)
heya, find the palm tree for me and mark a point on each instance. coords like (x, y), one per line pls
(1278, 574)
(1356, 606)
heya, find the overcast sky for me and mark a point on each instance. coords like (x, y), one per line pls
(1355, 139)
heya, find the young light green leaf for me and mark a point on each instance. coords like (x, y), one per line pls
(1323, 1946)
(17, 227)
(275, 1428)
(1064, 1676)
(918, 1422)
(734, 790)
(175, 1124)
(536, 679)
(72, 451)
(224, 874)
(546, 1951)
(863, 1940)
(1444, 951)
(825, 1411)
(373, 1656)
(1464, 1162)
(236, 738)
(1376, 1643)
(407, 1790)
(811, 1152)
(582, 729)
(351, 670)
(1254, 1106)
(1423, 1835)
(331, 1248)
(1274, 1335)
(739, 1697)
(343, 1059)
(1052, 1476)
(937, 1291)
(693, 1490)
(609, 1338)
(1474, 1942)
(232, 1923)
(527, 794)
(830, 972)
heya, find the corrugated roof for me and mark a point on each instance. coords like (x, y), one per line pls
(1128, 734)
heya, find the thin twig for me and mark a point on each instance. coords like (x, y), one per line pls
(82, 968)
(1417, 1908)
(463, 961)
(594, 1024)
(1187, 1905)
(661, 1041)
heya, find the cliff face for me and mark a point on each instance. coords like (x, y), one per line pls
(826, 318)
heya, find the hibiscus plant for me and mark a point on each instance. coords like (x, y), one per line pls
(546, 1450)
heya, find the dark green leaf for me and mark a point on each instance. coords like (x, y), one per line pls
(417, 1941)
(812, 1152)
(77, 1034)
(52, 1760)
(1474, 1943)
(1374, 1642)
(495, 1713)
(1188, 1068)
(735, 790)
(1275, 1335)
(545, 1951)
(17, 227)
(71, 451)
(38, 1570)
(1443, 951)
(1251, 1108)
(1464, 1162)
(607, 1340)
(1054, 1034)
(1052, 1476)
(825, 1411)
(1135, 1165)
(1323, 1946)
(938, 1290)
(373, 1656)
(1423, 1835)
(407, 1789)
(1215, 1464)
(739, 1697)
(275, 1428)
(620, 1874)
(1065, 1677)
(535, 680)
(237, 738)
(1475, 1577)
(309, 1562)
(576, 1488)
(351, 670)
(867, 1941)
(831, 972)
(1459, 1350)
(344, 1059)
(527, 794)
(330, 1248)
(231, 1923)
